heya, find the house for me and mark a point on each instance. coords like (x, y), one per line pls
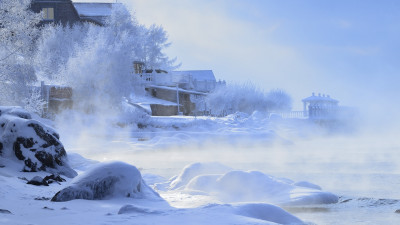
(184, 100)
(183, 92)
(56, 11)
(57, 98)
(96, 13)
(67, 12)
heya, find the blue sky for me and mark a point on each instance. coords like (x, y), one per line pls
(348, 49)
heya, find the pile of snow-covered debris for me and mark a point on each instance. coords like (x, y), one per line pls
(31, 143)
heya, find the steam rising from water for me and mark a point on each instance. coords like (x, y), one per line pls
(363, 164)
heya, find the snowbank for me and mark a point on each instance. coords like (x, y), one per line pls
(266, 212)
(307, 185)
(247, 213)
(23, 139)
(195, 169)
(253, 186)
(107, 180)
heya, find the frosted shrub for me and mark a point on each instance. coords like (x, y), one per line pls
(246, 98)
(34, 103)
(279, 100)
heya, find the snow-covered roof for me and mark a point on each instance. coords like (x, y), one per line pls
(179, 89)
(199, 75)
(147, 100)
(93, 9)
(320, 98)
(97, 12)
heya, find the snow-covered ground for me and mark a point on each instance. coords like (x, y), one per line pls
(242, 169)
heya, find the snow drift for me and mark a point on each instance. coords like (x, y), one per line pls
(35, 144)
(257, 213)
(251, 186)
(195, 169)
(107, 180)
(266, 212)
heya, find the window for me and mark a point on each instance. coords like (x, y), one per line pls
(48, 13)
(138, 66)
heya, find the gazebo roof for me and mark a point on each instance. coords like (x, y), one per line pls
(320, 98)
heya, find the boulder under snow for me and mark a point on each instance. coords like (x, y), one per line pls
(195, 169)
(105, 181)
(251, 186)
(31, 142)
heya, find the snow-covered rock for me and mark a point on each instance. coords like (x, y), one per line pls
(251, 186)
(267, 212)
(107, 180)
(195, 169)
(38, 181)
(307, 185)
(135, 209)
(31, 142)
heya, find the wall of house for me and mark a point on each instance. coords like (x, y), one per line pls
(163, 110)
(58, 98)
(187, 106)
(64, 11)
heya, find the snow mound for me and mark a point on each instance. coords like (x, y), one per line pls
(35, 144)
(306, 196)
(195, 169)
(80, 163)
(267, 212)
(136, 209)
(307, 185)
(105, 181)
(252, 186)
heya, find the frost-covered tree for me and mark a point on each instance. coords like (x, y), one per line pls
(155, 41)
(278, 101)
(57, 43)
(34, 102)
(246, 98)
(18, 31)
(97, 62)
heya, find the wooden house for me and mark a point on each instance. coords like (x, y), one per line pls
(182, 92)
(56, 11)
(57, 98)
(67, 12)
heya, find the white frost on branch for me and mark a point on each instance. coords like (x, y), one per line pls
(18, 31)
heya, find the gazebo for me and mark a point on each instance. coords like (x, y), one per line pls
(319, 106)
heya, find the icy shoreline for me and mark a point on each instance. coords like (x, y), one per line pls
(335, 166)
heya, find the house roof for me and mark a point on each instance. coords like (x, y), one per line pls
(95, 12)
(148, 100)
(199, 75)
(179, 89)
